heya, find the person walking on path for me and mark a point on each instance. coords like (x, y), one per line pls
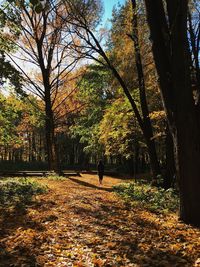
(100, 168)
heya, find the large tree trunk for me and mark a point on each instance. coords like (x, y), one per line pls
(170, 169)
(187, 146)
(170, 48)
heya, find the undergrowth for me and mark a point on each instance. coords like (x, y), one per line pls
(56, 177)
(19, 190)
(153, 198)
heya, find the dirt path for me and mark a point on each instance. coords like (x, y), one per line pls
(81, 224)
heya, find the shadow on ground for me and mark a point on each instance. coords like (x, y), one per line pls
(86, 184)
(135, 239)
(91, 220)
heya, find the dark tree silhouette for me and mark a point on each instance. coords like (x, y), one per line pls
(169, 37)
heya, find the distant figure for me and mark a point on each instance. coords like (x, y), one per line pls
(100, 171)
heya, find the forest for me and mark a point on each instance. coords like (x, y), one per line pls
(75, 90)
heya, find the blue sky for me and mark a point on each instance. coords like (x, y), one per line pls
(108, 6)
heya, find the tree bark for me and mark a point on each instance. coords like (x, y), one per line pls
(195, 53)
(170, 169)
(50, 136)
(144, 125)
(136, 157)
(170, 49)
(49, 120)
(148, 131)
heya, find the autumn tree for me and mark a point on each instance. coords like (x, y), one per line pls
(168, 26)
(122, 137)
(9, 120)
(44, 58)
(20, 123)
(84, 16)
(148, 132)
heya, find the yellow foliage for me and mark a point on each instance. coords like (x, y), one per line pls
(157, 115)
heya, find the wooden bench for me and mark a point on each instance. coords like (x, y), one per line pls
(37, 173)
(22, 173)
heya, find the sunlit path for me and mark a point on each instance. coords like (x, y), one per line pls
(79, 223)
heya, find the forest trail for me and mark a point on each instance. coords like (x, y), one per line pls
(81, 224)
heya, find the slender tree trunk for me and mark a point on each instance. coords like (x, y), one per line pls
(29, 149)
(136, 157)
(148, 131)
(145, 126)
(195, 53)
(170, 48)
(154, 163)
(33, 146)
(50, 136)
(39, 144)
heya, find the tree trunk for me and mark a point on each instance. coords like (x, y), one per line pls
(187, 148)
(144, 125)
(195, 53)
(50, 136)
(136, 157)
(154, 163)
(170, 169)
(148, 131)
(170, 49)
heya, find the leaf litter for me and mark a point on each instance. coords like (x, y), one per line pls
(80, 224)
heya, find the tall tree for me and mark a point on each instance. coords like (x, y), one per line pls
(168, 26)
(18, 119)
(94, 94)
(43, 46)
(84, 17)
(148, 132)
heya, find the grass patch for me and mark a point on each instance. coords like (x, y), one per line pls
(19, 190)
(56, 177)
(154, 199)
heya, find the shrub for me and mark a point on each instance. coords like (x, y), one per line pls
(153, 198)
(19, 191)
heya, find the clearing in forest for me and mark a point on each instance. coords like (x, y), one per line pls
(78, 223)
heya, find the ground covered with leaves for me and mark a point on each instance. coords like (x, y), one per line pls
(76, 222)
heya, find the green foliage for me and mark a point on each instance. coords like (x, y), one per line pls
(9, 119)
(9, 31)
(9, 27)
(119, 129)
(13, 191)
(36, 5)
(153, 198)
(9, 73)
(16, 117)
(94, 94)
